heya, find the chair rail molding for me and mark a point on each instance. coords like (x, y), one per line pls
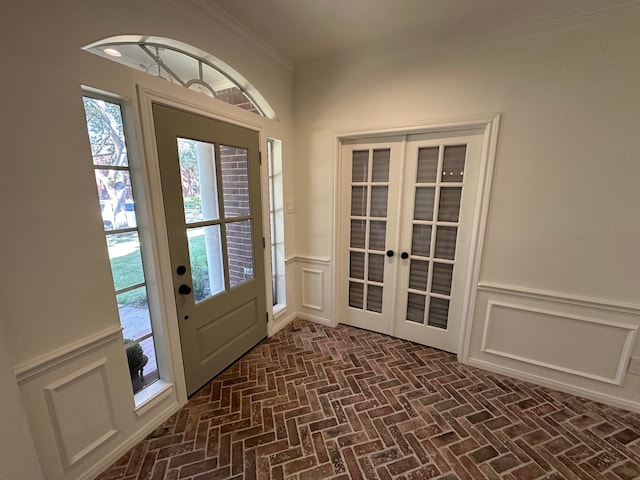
(308, 259)
(44, 363)
(578, 301)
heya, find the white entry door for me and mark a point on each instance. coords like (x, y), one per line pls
(407, 226)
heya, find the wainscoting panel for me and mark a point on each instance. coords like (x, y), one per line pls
(314, 290)
(81, 427)
(581, 346)
(80, 406)
(588, 347)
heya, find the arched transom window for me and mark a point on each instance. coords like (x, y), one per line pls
(183, 65)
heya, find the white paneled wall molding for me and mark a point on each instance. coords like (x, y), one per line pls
(560, 298)
(575, 344)
(313, 289)
(84, 346)
(80, 406)
(578, 345)
(77, 440)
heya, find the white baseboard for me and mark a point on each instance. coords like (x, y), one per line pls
(129, 443)
(315, 319)
(281, 322)
(561, 386)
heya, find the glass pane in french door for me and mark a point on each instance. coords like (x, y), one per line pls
(368, 228)
(436, 200)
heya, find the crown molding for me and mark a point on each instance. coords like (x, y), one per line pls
(415, 45)
(222, 20)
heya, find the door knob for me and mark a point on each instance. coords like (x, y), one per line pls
(389, 253)
(184, 289)
(404, 255)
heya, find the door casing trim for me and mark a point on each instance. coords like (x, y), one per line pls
(489, 123)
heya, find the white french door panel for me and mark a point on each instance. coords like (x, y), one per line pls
(439, 196)
(370, 174)
(407, 213)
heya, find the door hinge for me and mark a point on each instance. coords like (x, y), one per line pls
(266, 314)
(264, 245)
(260, 157)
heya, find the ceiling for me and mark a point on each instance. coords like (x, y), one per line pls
(306, 31)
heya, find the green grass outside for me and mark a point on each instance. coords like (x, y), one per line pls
(127, 269)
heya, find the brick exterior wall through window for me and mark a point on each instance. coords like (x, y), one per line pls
(235, 187)
(236, 97)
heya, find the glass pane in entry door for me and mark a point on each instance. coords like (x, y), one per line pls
(205, 257)
(240, 252)
(234, 168)
(199, 180)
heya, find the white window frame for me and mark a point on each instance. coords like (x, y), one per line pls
(276, 222)
(149, 396)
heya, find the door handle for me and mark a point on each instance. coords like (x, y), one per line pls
(390, 253)
(404, 255)
(184, 289)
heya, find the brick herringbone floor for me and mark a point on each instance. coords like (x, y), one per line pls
(315, 402)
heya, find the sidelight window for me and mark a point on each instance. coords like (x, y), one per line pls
(117, 208)
(276, 221)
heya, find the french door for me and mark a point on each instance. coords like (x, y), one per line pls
(211, 191)
(406, 234)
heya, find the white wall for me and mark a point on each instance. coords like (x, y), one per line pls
(563, 213)
(62, 328)
(18, 457)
